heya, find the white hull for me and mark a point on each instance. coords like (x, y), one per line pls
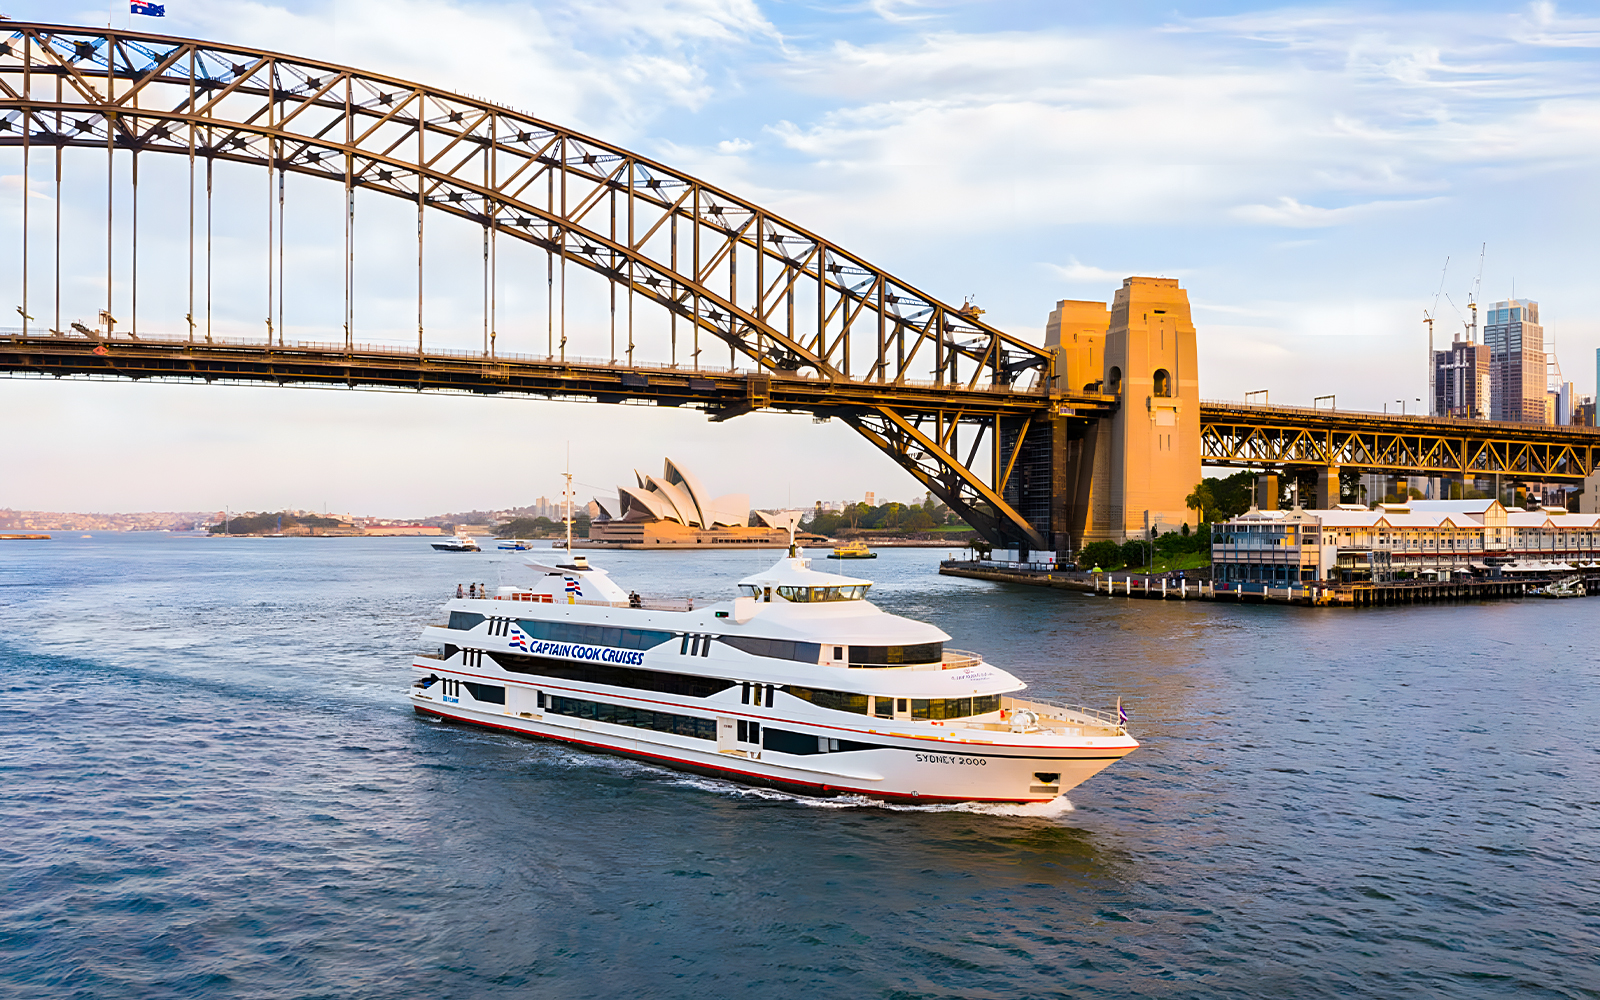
(958, 766)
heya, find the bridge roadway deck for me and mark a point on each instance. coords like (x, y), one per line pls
(722, 392)
(1232, 434)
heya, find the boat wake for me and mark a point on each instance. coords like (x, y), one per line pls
(1033, 810)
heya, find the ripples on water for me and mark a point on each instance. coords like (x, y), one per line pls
(213, 788)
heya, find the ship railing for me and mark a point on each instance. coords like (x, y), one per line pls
(956, 659)
(667, 603)
(1063, 712)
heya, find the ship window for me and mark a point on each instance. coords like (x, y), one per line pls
(591, 635)
(894, 656)
(749, 590)
(612, 675)
(954, 708)
(465, 621)
(838, 701)
(777, 649)
(821, 595)
(749, 732)
(805, 744)
(639, 718)
(883, 708)
(494, 694)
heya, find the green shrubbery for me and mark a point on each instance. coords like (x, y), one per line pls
(1137, 553)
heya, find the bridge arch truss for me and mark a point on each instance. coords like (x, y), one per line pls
(790, 304)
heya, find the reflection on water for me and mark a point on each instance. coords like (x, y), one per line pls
(215, 789)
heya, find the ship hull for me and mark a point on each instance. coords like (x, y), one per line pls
(897, 769)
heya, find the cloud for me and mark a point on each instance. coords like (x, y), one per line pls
(1074, 271)
(733, 147)
(1053, 127)
(607, 66)
(1289, 212)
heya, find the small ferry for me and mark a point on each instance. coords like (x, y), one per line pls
(515, 544)
(460, 543)
(852, 550)
(797, 683)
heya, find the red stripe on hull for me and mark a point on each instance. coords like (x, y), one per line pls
(744, 777)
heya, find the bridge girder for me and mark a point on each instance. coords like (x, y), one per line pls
(785, 299)
(1254, 436)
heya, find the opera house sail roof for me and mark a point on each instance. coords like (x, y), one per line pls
(678, 496)
(675, 509)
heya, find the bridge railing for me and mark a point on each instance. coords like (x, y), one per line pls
(398, 349)
(1418, 418)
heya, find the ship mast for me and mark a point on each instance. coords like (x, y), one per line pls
(568, 498)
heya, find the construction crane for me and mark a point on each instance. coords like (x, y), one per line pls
(1472, 297)
(1428, 317)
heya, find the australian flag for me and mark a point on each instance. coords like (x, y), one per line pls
(147, 8)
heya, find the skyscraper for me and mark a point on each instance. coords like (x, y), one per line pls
(1516, 361)
(1461, 381)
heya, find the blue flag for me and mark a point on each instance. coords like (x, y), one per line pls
(147, 8)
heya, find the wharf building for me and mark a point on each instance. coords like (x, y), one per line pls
(1421, 540)
(675, 511)
(1518, 379)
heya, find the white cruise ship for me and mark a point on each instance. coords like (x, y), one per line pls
(798, 683)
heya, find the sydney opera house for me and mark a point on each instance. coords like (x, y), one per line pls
(675, 511)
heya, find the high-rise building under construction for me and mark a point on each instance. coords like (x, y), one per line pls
(1461, 381)
(1517, 379)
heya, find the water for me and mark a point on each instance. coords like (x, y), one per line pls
(213, 788)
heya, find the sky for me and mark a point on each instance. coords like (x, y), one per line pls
(1305, 171)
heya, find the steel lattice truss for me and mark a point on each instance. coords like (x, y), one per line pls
(784, 298)
(1285, 436)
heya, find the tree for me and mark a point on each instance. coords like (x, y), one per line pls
(919, 520)
(855, 512)
(1105, 554)
(1135, 552)
(825, 522)
(1203, 499)
(525, 527)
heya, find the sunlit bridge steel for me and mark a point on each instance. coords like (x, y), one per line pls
(806, 324)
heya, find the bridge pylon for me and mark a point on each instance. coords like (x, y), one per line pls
(1127, 474)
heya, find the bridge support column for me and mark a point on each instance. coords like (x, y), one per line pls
(1267, 491)
(1327, 487)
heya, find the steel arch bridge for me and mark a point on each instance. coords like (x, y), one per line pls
(978, 416)
(948, 396)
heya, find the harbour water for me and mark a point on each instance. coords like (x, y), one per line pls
(214, 788)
